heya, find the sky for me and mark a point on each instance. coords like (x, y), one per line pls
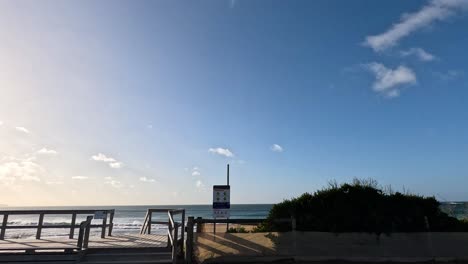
(145, 102)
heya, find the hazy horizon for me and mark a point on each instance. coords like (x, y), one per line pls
(145, 102)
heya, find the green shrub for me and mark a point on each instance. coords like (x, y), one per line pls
(239, 229)
(361, 206)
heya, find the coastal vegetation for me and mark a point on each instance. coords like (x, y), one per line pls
(361, 206)
(239, 229)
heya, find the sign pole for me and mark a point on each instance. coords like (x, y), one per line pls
(221, 202)
(227, 224)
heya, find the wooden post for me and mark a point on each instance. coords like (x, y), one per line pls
(214, 226)
(183, 227)
(189, 241)
(175, 244)
(72, 228)
(150, 217)
(79, 243)
(4, 224)
(87, 229)
(143, 227)
(199, 224)
(104, 223)
(39, 226)
(111, 222)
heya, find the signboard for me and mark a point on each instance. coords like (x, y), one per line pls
(221, 213)
(99, 214)
(221, 201)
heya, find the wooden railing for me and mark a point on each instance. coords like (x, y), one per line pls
(81, 244)
(173, 233)
(175, 229)
(83, 234)
(72, 226)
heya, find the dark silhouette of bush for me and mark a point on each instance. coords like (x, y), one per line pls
(361, 206)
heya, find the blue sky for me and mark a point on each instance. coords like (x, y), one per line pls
(145, 102)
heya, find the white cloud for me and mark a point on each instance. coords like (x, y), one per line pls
(115, 184)
(420, 53)
(222, 151)
(195, 173)
(47, 151)
(113, 163)
(22, 129)
(20, 170)
(149, 126)
(276, 148)
(116, 165)
(102, 157)
(144, 179)
(1, 123)
(435, 10)
(387, 80)
(80, 178)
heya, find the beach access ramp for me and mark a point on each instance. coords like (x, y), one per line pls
(143, 247)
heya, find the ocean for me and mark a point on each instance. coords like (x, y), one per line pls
(129, 219)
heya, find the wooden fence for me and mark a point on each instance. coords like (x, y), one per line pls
(81, 244)
(41, 214)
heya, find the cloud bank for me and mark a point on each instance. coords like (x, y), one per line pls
(46, 151)
(22, 129)
(113, 163)
(436, 10)
(222, 151)
(387, 81)
(420, 53)
(276, 148)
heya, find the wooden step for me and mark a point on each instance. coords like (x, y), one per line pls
(53, 258)
(161, 261)
(127, 257)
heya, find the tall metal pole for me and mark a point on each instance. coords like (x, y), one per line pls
(227, 224)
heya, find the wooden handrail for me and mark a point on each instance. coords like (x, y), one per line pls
(173, 228)
(146, 226)
(58, 211)
(42, 213)
(173, 236)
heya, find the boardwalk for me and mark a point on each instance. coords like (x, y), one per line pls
(118, 241)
